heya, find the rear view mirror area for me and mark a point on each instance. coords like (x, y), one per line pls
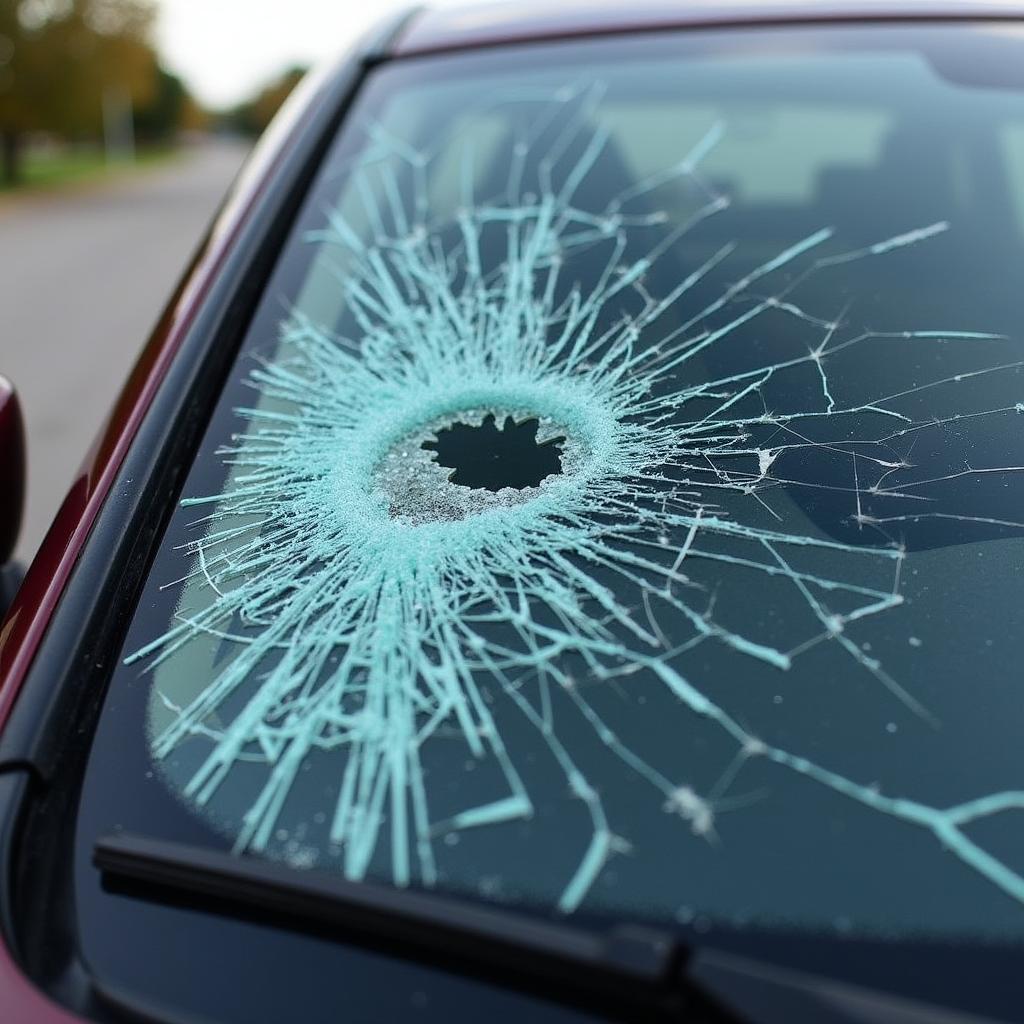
(12, 488)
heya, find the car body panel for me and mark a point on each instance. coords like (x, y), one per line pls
(12, 471)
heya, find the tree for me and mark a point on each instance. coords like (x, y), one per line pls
(163, 114)
(19, 87)
(58, 58)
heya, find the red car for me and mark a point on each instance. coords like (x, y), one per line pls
(559, 556)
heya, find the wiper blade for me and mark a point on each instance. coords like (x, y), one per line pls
(625, 966)
(633, 971)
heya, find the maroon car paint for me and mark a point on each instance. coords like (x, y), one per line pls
(12, 468)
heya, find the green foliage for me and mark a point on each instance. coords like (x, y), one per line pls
(163, 114)
(58, 58)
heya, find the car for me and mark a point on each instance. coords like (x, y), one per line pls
(559, 555)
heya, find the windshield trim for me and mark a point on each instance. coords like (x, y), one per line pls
(442, 30)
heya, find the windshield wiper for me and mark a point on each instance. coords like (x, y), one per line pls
(631, 971)
(623, 969)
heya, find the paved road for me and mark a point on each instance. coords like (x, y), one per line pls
(83, 278)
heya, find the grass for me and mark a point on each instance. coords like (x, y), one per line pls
(46, 169)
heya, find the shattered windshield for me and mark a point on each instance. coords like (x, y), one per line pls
(617, 503)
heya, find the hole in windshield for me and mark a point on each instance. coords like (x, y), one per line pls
(492, 458)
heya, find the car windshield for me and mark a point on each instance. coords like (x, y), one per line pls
(616, 505)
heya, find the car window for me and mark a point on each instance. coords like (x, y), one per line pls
(616, 505)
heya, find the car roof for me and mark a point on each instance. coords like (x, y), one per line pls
(528, 20)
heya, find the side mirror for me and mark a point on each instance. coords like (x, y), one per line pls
(12, 470)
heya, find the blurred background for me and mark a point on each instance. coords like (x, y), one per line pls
(122, 123)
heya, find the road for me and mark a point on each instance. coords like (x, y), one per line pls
(83, 278)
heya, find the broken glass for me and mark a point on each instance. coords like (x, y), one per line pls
(627, 511)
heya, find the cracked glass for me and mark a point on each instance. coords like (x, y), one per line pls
(616, 506)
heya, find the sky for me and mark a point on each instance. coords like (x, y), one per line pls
(227, 49)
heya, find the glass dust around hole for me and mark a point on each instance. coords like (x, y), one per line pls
(466, 463)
